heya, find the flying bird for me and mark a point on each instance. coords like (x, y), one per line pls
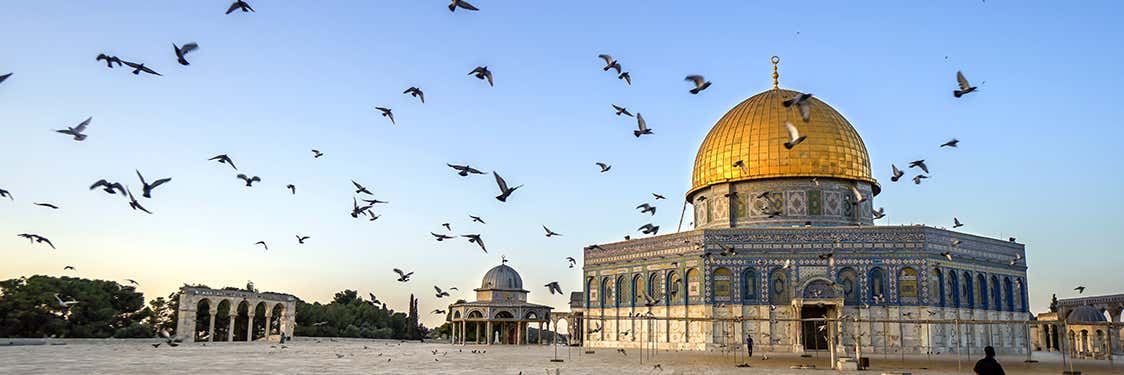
(109, 60)
(447, 226)
(403, 276)
(658, 197)
(374, 201)
(68, 268)
(504, 190)
(700, 83)
(301, 239)
(965, 87)
(181, 51)
(35, 238)
(649, 229)
(461, 4)
(642, 125)
(147, 188)
(954, 242)
(386, 113)
(441, 237)
(77, 130)
(249, 180)
(134, 282)
(794, 137)
(550, 233)
(610, 63)
(880, 213)
(4, 77)
(554, 288)
(262, 243)
(292, 188)
(316, 154)
(48, 205)
(5, 193)
(224, 159)
(360, 189)
(1080, 289)
(897, 173)
(111, 188)
(626, 77)
(919, 164)
(858, 195)
(572, 261)
(477, 219)
(956, 223)
(415, 92)
(917, 179)
(1016, 260)
(482, 72)
(357, 210)
(647, 208)
(240, 5)
(475, 238)
(64, 304)
(464, 170)
(951, 143)
(439, 312)
(134, 204)
(740, 164)
(801, 103)
(622, 110)
(138, 68)
(440, 293)
(604, 167)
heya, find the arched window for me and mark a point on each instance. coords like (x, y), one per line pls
(848, 281)
(693, 283)
(723, 280)
(653, 285)
(592, 292)
(1008, 295)
(749, 285)
(966, 290)
(606, 291)
(996, 294)
(637, 289)
(778, 288)
(981, 291)
(674, 288)
(907, 286)
(936, 287)
(1021, 295)
(877, 284)
(954, 288)
(621, 291)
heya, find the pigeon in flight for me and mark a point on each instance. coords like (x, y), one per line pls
(740, 164)
(954, 242)
(374, 201)
(134, 282)
(316, 154)
(956, 223)
(482, 72)
(4, 77)
(415, 92)
(386, 113)
(897, 173)
(880, 213)
(147, 188)
(626, 77)
(858, 195)
(610, 63)
(553, 287)
(801, 103)
(919, 164)
(572, 261)
(109, 60)
(917, 179)
(700, 83)
(439, 312)
(441, 237)
(649, 229)
(642, 125)
(35, 238)
(1080, 289)
(138, 68)
(262, 243)
(48, 205)
(403, 276)
(505, 191)
(447, 226)
(223, 159)
(440, 293)
(461, 4)
(1016, 260)
(464, 170)
(68, 268)
(64, 304)
(622, 110)
(360, 189)
(604, 167)
(647, 208)
(965, 87)
(951, 143)
(793, 135)
(475, 238)
(292, 188)
(356, 210)
(111, 188)
(301, 239)
(134, 204)
(550, 233)
(181, 51)
(249, 180)
(240, 5)
(476, 219)
(658, 197)
(77, 130)
(5, 193)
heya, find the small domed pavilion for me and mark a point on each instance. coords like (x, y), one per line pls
(500, 311)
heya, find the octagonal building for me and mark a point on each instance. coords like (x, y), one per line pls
(787, 234)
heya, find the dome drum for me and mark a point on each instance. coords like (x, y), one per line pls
(788, 202)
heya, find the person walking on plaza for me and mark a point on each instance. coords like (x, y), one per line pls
(988, 365)
(749, 346)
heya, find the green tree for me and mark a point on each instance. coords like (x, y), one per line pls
(1054, 303)
(28, 308)
(348, 315)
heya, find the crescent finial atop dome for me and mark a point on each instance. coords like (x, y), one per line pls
(776, 83)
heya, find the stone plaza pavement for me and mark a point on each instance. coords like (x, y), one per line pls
(349, 356)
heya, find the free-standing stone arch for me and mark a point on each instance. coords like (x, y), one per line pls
(230, 301)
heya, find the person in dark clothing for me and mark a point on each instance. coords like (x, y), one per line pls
(749, 346)
(988, 365)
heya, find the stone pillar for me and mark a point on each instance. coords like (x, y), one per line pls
(541, 341)
(250, 326)
(464, 333)
(211, 330)
(230, 328)
(489, 336)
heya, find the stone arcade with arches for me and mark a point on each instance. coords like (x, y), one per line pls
(787, 234)
(255, 316)
(500, 314)
(1088, 332)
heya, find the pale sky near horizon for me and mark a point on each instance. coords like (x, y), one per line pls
(1036, 157)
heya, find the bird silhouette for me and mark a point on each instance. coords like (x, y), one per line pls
(441, 237)
(658, 197)
(134, 204)
(1080, 289)
(649, 229)
(956, 223)
(147, 188)
(475, 238)
(461, 4)
(610, 63)
(440, 293)
(626, 77)
(292, 188)
(4, 77)
(965, 87)
(622, 110)
(447, 226)
(249, 180)
(951, 143)
(35, 238)
(857, 195)
(48, 205)
(794, 137)
(138, 68)
(224, 159)
(263, 244)
(181, 51)
(917, 179)
(802, 104)
(647, 208)
(572, 261)
(77, 130)
(386, 113)
(700, 83)
(439, 312)
(505, 191)
(604, 167)
(316, 154)
(68, 268)
(642, 126)
(482, 72)
(108, 187)
(301, 239)
(415, 92)
(360, 189)
(403, 276)
(464, 170)
(879, 213)
(919, 164)
(897, 173)
(550, 233)
(477, 219)
(64, 304)
(240, 5)
(5, 193)
(109, 60)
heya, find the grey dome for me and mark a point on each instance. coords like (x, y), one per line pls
(502, 277)
(1085, 314)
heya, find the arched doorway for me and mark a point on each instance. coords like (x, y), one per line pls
(259, 323)
(242, 321)
(203, 320)
(275, 320)
(222, 321)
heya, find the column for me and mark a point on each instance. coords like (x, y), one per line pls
(268, 323)
(541, 341)
(477, 324)
(250, 326)
(211, 331)
(464, 332)
(488, 338)
(230, 328)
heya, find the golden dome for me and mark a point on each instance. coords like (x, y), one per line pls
(754, 132)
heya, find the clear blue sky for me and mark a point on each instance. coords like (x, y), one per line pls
(1038, 158)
